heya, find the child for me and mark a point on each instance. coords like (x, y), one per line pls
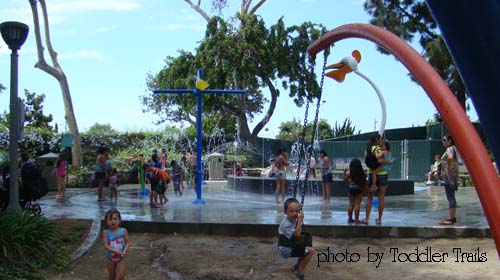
(164, 158)
(60, 172)
(383, 154)
(159, 181)
(435, 170)
(290, 229)
(116, 244)
(357, 186)
(113, 184)
(176, 177)
(238, 170)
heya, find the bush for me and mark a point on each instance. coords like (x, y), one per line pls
(80, 177)
(28, 242)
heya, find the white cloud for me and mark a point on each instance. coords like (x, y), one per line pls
(83, 54)
(92, 5)
(106, 29)
(182, 27)
(4, 49)
(17, 14)
(189, 14)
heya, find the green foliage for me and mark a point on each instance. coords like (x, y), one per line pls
(101, 129)
(409, 19)
(70, 238)
(346, 129)
(80, 177)
(34, 116)
(241, 53)
(39, 134)
(292, 130)
(28, 242)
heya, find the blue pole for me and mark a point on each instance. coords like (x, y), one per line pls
(199, 169)
(199, 151)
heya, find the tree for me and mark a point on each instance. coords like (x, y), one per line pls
(244, 55)
(39, 136)
(34, 116)
(292, 130)
(57, 72)
(102, 130)
(409, 19)
(346, 129)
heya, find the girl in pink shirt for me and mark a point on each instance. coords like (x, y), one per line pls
(60, 172)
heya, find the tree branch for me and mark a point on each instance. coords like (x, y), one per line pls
(50, 49)
(270, 110)
(417, 22)
(198, 9)
(189, 119)
(41, 63)
(244, 6)
(256, 7)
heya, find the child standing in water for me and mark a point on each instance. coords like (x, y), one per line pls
(358, 184)
(113, 185)
(116, 243)
(176, 177)
(281, 163)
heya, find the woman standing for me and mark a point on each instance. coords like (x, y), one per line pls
(326, 175)
(280, 163)
(100, 171)
(449, 171)
(60, 172)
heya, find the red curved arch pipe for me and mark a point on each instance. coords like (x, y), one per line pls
(471, 147)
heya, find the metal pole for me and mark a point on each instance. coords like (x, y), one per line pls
(381, 99)
(199, 168)
(406, 159)
(402, 160)
(14, 136)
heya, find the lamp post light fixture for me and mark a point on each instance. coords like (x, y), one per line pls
(14, 34)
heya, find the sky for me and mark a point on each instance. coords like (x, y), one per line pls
(108, 47)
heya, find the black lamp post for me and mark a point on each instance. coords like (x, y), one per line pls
(14, 34)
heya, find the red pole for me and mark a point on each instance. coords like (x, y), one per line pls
(483, 174)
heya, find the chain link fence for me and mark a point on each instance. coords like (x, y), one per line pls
(412, 158)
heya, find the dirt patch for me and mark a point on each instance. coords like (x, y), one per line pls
(160, 256)
(72, 232)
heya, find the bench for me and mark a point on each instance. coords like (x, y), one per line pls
(464, 178)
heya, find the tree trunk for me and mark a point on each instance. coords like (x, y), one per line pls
(244, 130)
(269, 113)
(56, 72)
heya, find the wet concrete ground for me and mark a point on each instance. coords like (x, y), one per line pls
(423, 209)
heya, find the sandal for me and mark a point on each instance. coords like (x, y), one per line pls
(378, 222)
(350, 221)
(448, 222)
(364, 221)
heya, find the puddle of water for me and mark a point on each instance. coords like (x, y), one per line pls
(157, 264)
(420, 188)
